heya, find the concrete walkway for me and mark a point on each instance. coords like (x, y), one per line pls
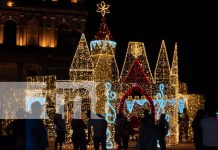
(132, 147)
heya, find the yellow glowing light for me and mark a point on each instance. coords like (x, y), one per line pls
(82, 68)
(162, 69)
(103, 8)
(135, 49)
(74, 1)
(103, 56)
(10, 4)
(105, 65)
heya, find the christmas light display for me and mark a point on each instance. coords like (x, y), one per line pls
(95, 75)
(174, 91)
(110, 114)
(194, 102)
(162, 70)
(103, 8)
(103, 49)
(170, 104)
(82, 68)
(102, 52)
(136, 52)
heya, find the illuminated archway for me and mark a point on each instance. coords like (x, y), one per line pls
(140, 90)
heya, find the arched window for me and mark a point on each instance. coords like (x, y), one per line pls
(9, 33)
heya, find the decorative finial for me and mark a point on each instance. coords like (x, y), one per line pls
(103, 8)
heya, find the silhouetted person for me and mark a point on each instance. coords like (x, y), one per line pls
(36, 133)
(126, 131)
(180, 127)
(78, 136)
(99, 128)
(185, 124)
(163, 128)
(118, 130)
(197, 130)
(17, 129)
(209, 125)
(60, 126)
(134, 121)
(147, 139)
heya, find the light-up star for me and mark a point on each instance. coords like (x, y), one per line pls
(103, 8)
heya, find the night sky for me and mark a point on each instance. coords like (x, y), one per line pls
(190, 23)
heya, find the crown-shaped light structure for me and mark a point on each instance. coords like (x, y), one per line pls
(103, 49)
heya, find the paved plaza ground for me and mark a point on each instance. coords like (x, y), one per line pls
(189, 146)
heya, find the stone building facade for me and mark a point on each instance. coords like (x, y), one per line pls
(39, 37)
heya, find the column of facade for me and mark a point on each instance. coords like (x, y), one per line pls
(1, 33)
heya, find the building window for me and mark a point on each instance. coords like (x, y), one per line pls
(64, 40)
(9, 37)
(67, 38)
(32, 33)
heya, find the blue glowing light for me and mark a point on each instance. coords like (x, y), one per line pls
(141, 102)
(160, 94)
(95, 43)
(111, 96)
(110, 114)
(130, 105)
(108, 141)
(181, 105)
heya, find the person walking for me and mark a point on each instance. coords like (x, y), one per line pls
(36, 132)
(99, 128)
(147, 139)
(118, 130)
(127, 130)
(163, 127)
(209, 125)
(197, 130)
(59, 122)
(78, 136)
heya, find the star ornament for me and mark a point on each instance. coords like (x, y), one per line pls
(103, 8)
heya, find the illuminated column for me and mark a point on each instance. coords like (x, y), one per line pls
(55, 36)
(82, 68)
(21, 35)
(1, 33)
(25, 35)
(136, 50)
(18, 35)
(48, 36)
(52, 33)
(162, 71)
(174, 82)
(43, 35)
